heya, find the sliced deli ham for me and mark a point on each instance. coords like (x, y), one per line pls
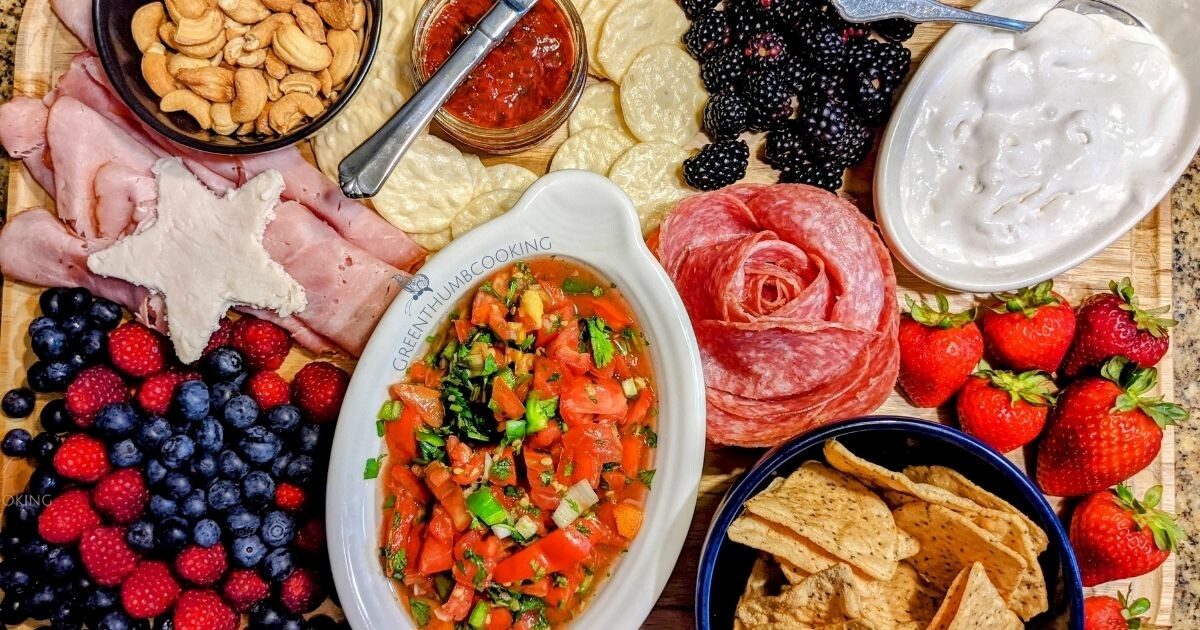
(793, 299)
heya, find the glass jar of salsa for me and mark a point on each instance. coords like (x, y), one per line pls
(523, 90)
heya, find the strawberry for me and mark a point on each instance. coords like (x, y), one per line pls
(938, 351)
(318, 389)
(269, 389)
(154, 396)
(66, 517)
(201, 566)
(301, 592)
(81, 458)
(311, 536)
(1005, 410)
(121, 496)
(1112, 324)
(91, 390)
(106, 556)
(289, 497)
(203, 610)
(264, 344)
(1105, 612)
(245, 588)
(221, 337)
(1115, 536)
(149, 591)
(1103, 430)
(136, 350)
(1030, 329)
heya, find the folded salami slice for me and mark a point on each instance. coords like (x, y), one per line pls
(793, 299)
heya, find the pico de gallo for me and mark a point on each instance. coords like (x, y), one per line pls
(518, 452)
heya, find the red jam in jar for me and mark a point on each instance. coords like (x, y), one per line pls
(524, 75)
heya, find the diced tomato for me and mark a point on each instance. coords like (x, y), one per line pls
(562, 590)
(498, 323)
(483, 306)
(586, 448)
(565, 348)
(458, 605)
(631, 454)
(462, 329)
(401, 435)
(549, 376)
(436, 556)
(541, 488)
(448, 493)
(538, 588)
(405, 482)
(555, 552)
(546, 437)
(475, 557)
(610, 312)
(616, 479)
(498, 619)
(621, 367)
(558, 299)
(504, 469)
(605, 512)
(466, 463)
(404, 515)
(595, 531)
(506, 399)
(640, 408)
(427, 401)
(416, 542)
(587, 397)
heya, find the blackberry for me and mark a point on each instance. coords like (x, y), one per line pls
(769, 100)
(895, 29)
(693, 8)
(872, 100)
(725, 115)
(821, 87)
(791, 14)
(722, 70)
(717, 165)
(819, 175)
(765, 50)
(823, 43)
(858, 144)
(784, 146)
(854, 31)
(746, 20)
(828, 128)
(884, 62)
(708, 34)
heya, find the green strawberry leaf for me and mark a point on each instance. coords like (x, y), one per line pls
(1027, 300)
(1033, 387)
(1148, 320)
(1163, 528)
(1135, 382)
(1133, 610)
(941, 317)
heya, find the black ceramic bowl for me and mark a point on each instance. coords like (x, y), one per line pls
(122, 62)
(893, 442)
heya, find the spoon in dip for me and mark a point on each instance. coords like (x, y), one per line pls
(934, 11)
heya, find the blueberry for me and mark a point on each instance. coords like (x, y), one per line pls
(208, 434)
(41, 601)
(308, 438)
(40, 322)
(241, 412)
(241, 522)
(177, 485)
(192, 399)
(206, 533)
(223, 495)
(21, 513)
(153, 433)
(77, 362)
(278, 529)
(50, 376)
(14, 580)
(204, 467)
(248, 551)
(258, 445)
(33, 550)
(44, 446)
(16, 443)
(140, 536)
(164, 622)
(92, 345)
(62, 562)
(194, 505)
(224, 364)
(66, 616)
(100, 601)
(163, 507)
(76, 300)
(280, 463)
(49, 343)
(125, 454)
(299, 470)
(74, 327)
(17, 403)
(222, 392)
(155, 472)
(116, 420)
(278, 565)
(283, 419)
(13, 611)
(292, 622)
(264, 615)
(231, 465)
(44, 482)
(322, 622)
(117, 620)
(172, 534)
(177, 451)
(105, 314)
(55, 417)
(53, 304)
(258, 488)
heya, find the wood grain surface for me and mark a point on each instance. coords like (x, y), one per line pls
(45, 48)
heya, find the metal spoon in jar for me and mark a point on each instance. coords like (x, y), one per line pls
(364, 171)
(934, 11)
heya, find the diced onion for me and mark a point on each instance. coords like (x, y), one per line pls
(502, 530)
(526, 527)
(579, 498)
(630, 387)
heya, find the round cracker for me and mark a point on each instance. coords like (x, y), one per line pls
(592, 16)
(432, 242)
(633, 26)
(510, 176)
(363, 116)
(651, 174)
(663, 96)
(481, 183)
(599, 106)
(592, 149)
(430, 185)
(482, 209)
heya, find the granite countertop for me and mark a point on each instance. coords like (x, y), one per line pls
(1186, 281)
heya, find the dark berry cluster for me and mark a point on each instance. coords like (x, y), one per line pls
(816, 84)
(165, 495)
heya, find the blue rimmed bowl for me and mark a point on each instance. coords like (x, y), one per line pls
(893, 442)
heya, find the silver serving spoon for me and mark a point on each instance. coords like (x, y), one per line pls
(934, 11)
(364, 171)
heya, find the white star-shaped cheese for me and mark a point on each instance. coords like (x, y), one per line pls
(204, 253)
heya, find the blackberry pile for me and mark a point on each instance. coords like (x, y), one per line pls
(818, 86)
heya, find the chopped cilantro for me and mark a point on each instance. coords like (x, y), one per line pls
(512, 491)
(554, 378)
(429, 339)
(575, 286)
(569, 469)
(545, 477)
(399, 562)
(602, 347)
(481, 574)
(560, 580)
(389, 502)
(489, 366)
(371, 469)
(649, 436)
(609, 467)
(420, 611)
(597, 291)
(647, 477)
(502, 469)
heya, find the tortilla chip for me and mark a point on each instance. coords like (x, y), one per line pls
(781, 542)
(824, 598)
(791, 572)
(877, 476)
(972, 603)
(836, 513)
(951, 542)
(1030, 598)
(955, 482)
(904, 600)
(854, 624)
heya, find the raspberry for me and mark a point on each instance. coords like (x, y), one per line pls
(154, 396)
(106, 556)
(121, 496)
(289, 497)
(220, 338)
(66, 518)
(136, 350)
(201, 566)
(81, 458)
(263, 344)
(301, 592)
(94, 388)
(245, 588)
(269, 389)
(203, 610)
(149, 591)
(311, 537)
(318, 389)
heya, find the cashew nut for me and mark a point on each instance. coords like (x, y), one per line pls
(299, 50)
(191, 9)
(292, 110)
(246, 129)
(235, 29)
(146, 21)
(190, 102)
(180, 61)
(194, 31)
(262, 124)
(344, 45)
(338, 14)
(300, 82)
(222, 120)
(250, 87)
(281, 6)
(214, 84)
(360, 15)
(234, 48)
(309, 22)
(155, 71)
(252, 60)
(206, 50)
(326, 81)
(263, 33)
(275, 66)
(245, 11)
(274, 93)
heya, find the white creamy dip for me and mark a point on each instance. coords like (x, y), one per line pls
(1038, 144)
